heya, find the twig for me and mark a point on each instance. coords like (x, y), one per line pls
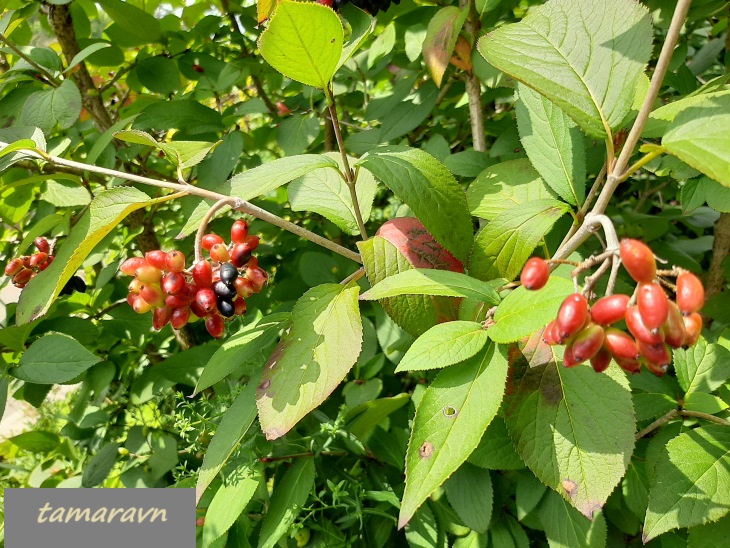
(359, 273)
(473, 85)
(204, 224)
(52, 80)
(657, 423)
(705, 416)
(720, 247)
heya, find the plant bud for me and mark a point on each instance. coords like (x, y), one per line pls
(693, 325)
(620, 344)
(674, 330)
(572, 316)
(157, 258)
(638, 260)
(653, 306)
(239, 231)
(690, 293)
(639, 330)
(587, 342)
(209, 240)
(203, 274)
(601, 360)
(535, 274)
(215, 326)
(130, 266)
(608, 310)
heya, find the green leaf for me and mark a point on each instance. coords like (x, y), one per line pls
(184, 114)
(321, 347)
(429, 281)
(441, 35)
(449, 422)
(703, 403)
(712, 535)
(699, 137)
(289, 496)
(45, 109)
(553, 143)
(229, 501)
(495, 450)
(502, 186)
(54, 359)
(504, 245)
(410, 112)
(661, 118)
(324, 191)
(134, 21)
(528, 493)
(37, 441)
(297, 132)
(63, 193)
(159, 74)
(704, 367)
(565, 527)
(84, 53)
(443, 345)
(100, 465)
(104, 214)
(573, 428)
(233, 426)
(381, 46)
(303, 42)
(362, 419)
(429, 189)
(692, 481)
(585, 57)
(238, 348)
(469, 492)
(4, 382)
(361, 24)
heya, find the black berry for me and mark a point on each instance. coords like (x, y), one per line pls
(229, 273)
(224, 291)
(226, 308)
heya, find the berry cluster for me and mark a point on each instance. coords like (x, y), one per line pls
(654, 323)
(212, 289)
(24, 268)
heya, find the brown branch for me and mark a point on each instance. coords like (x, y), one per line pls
(704, 416)
(715, 281)
(473, 85)
(657, 423)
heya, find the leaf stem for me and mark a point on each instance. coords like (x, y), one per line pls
(641, 163)
(239, 205)
(705, 416)
(657, 423)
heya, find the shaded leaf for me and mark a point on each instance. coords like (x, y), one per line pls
(443, 345)
(53, 359)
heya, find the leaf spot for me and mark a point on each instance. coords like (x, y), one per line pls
(265, 385)
(426, 450)
(450, 412)
(570, 486)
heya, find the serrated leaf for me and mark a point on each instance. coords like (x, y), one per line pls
(429, 281)
(692, 481)
(523, 312)
(289, 496)
(703, 403)
(239, 348)
(258, 181)
(573, 428)
(698, 136)
(229, 501)
(104, 214)
(45, 109)
(469, 492)
(233, 426)
(449, 422)
(100, 465)
(703, 367)
(304, 42)
(54, 358)
(495, 450)
(712, 535)
(504, 245)
(502, 186)
(63, 193)
(661, 118)
(429, 189)
(528, 493)
(264, 9)
(361, 25)
(409, 113)
(566, 528)
(322, 345)
(297, 132)
(586, 57)
(441, 35)
(325, 192)
(553, 143)
(443, 345)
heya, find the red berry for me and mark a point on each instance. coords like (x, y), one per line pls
(148, 274)
(219, 253)
(45, 265)
(131, 298)
(203, 273)
(658, 357)
(134, 286)
(23, 277)
(244, 288)
(173, 283)
(157, 258)
(653, 305)
(209, 240)
(180, 317)
(152, 293)
(550, 335)
(141, 306)
(569, 358)
(608, 310)
(197, 68)
(239, 231)
(198, 310)
(240, 255)
(38, 260)
(42, 245)
(601, 360)
(175, 301)
(26, 261)
(240, 305)
(690, 293)
(535, 274)
(161, 317)
(257, 277)
(628, 365)
(188, 294)
(638, 260)
(215, 326)
(639, 330)
(13, 267)
(175, 261)
(252, 242)
(674, 330)
(587, 342)
(620, 344)
(206, 299)
(572, 316)
(693, 325)
(130, 266)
